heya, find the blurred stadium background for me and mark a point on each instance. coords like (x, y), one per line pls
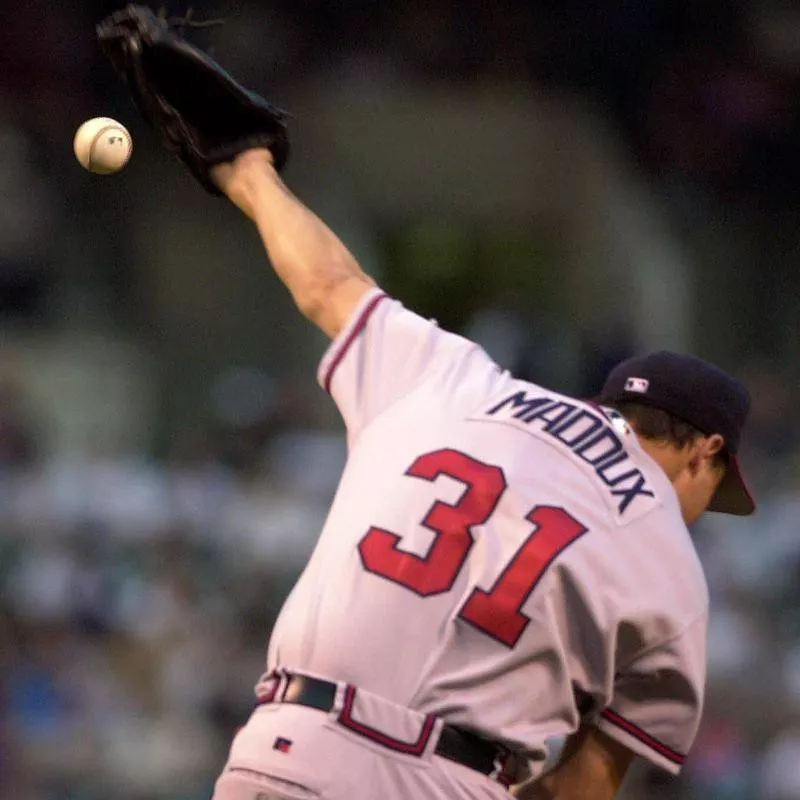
(566, 182)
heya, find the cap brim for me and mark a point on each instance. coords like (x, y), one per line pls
(732, 495)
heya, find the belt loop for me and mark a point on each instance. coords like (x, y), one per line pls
(274, 678)
(283, 685)
(338, 699)
(436, 734)
(277, 692)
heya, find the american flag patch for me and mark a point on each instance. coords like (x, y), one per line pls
(284, 745)
(640, 385)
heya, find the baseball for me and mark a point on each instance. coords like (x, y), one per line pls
(103, 145)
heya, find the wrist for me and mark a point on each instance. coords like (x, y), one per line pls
(257, 159)
(245, 179)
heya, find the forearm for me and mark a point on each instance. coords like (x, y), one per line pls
(321, 274)
(550, 788)
(532, 791)
(592, 767)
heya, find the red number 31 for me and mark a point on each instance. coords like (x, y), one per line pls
(496, 611)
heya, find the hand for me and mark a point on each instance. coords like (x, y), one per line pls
(237, 179)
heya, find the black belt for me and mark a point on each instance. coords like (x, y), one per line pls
(458, 745)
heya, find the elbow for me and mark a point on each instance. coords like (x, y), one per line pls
(312, 302)
(317, 303)
(316, 288)
(329, 303)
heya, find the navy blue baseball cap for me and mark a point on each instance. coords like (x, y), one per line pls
(699, 393)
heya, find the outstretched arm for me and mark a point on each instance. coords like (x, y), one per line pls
(321, 274)
(592, 767)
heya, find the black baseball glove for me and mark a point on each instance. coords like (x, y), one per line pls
(198, 110)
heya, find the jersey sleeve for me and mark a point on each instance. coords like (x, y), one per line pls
(658, 699)
(382, 354)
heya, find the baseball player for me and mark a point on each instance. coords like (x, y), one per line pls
(501, 564)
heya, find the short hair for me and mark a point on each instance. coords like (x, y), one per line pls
(659, 425)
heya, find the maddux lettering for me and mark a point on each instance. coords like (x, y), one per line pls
(586, 434)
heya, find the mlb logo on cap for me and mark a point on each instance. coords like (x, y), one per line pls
(640, 385)
(282, 745)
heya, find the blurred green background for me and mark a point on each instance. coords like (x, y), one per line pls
(566, 182)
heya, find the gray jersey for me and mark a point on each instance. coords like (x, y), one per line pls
(497, 554)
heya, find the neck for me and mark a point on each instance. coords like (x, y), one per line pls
(671, 460)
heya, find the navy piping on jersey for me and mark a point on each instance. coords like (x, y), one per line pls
(352, 336)
(645, 738)
(411, 748)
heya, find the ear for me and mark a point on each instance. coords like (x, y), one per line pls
(713, 444)
(706, 448)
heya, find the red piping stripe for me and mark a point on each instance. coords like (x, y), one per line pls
(411, 748)
(645, 738)
(353, 335)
